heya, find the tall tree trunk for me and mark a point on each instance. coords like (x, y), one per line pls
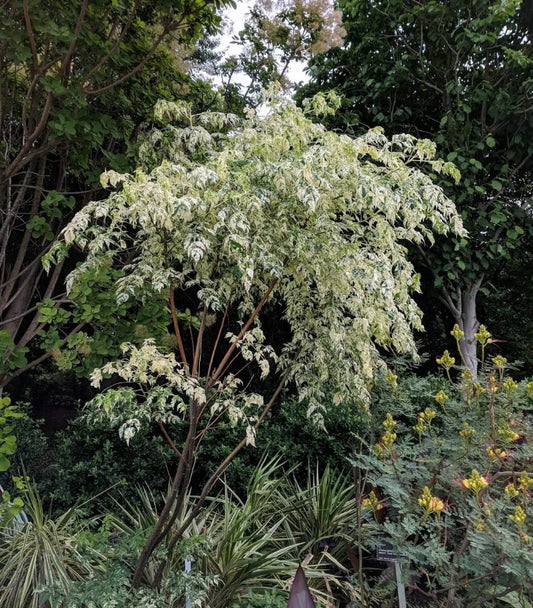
(464, 311)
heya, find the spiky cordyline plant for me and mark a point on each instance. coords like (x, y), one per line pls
(41, 555)
(273, 209)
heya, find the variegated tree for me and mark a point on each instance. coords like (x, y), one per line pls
(271, 215)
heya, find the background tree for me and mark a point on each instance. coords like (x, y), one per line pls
(461, 73)
(76, 81)
(277, 211)
(277, 35)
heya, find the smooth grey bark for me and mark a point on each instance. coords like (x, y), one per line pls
(464, 311)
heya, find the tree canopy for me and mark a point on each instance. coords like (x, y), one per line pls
(239, 216)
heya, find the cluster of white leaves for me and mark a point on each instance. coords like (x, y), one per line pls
(129, 429)
(253, 348)
(167, 111)
(278, 200)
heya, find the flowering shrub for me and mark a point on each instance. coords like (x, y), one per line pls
(448, 482)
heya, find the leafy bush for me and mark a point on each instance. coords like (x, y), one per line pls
(446, 480)
(91, 459)
(32, 443)
(244, 552)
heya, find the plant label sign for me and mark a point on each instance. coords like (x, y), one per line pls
(386, 553)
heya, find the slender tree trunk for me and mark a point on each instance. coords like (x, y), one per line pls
(464, 311)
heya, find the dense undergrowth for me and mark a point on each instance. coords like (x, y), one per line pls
(439, 468)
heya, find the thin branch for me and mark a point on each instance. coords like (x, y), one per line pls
(136, 69)
(59, 299)
(23, 248)
(21, 370)
(35, 326)
(18, 161)
(31, 37)
(240, 335)
(219, 334)
(177, 328)
(73, 44)
(198, 346)
(169, 440)
(123, 32)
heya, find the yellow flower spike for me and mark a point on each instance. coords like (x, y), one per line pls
(446, 360)
(420, 426)
(510, 385)
(476, 483)
(524, 481)
(430, 503)
(372, 502)
(529, 389)
(519, 517)
(429, 414)
(467, 431)
(478, 388)
(425, 500)
(499, 361)
(389, 423)
(391, 379)
(483, 335)
(511, 491)
(437, 505)
(441, 397)
(496, 453)
(388, 439)
(457, 332)
(507, 434)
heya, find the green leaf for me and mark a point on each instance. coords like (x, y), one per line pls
(4, 463)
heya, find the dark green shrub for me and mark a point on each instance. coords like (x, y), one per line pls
(89, 460)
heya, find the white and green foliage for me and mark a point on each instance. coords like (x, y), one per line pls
(273, 209)
(278, 202)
